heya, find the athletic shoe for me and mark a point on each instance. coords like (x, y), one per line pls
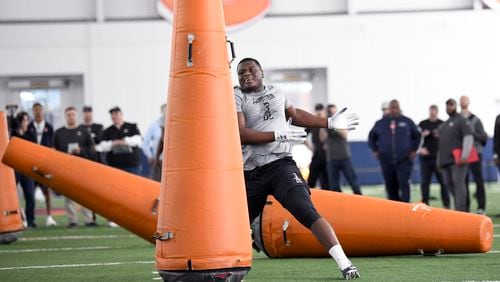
(91, 224)
(72, 225)
(350, 272)
(50, 221)
(480, 211)
(32, 225)
(113, 225)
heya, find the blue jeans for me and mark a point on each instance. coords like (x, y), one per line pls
(29, 196)
(334, 169)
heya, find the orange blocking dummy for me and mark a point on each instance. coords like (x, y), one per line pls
(11, 223)
(374, 227)
(121, 197)
(203, 230)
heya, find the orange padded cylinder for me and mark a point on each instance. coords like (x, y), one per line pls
(121, 197)
(10, 214)
(203, 217)
(375, 227)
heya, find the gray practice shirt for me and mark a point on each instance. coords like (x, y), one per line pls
(451, 135)
(264, 111)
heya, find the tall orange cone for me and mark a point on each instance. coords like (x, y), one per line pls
(374, 227)
(11, 223)
(129, 200)
(203, 230)
(366, 226)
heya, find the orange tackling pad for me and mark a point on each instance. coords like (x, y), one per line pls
(10, 213)
(369, 226)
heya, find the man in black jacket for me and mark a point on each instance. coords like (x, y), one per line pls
(428, 155)
(44, 133)
(121, 142)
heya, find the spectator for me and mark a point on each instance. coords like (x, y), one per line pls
(158, 161)
(385, 108)
(74, 140)
(95, 129)
(496, 142)
(44, 133)
(428, 154)
(151, 140)
(121, 142)
(317, 167)
(453, 134)
(338, 156)
(394, 140)
(480, 139)
(20, 130)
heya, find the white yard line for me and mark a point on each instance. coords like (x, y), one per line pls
(76, 237)
(496, 225)
(157, 278)
(74, 265)
(55, 249)
(496, 235)
(494, 252)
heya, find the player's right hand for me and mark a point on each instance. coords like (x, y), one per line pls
(290, 135)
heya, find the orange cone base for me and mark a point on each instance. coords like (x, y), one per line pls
(228, 275)
(10, 237)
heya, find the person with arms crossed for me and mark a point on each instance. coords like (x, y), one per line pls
(74, 140)
(267, 141)
(121, 142)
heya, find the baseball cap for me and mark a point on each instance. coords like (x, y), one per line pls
(87, 109)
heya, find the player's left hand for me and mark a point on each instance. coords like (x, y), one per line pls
(343, 121)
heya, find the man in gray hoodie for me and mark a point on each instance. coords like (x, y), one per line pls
(476, 168)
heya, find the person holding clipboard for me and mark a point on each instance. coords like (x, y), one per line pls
(454, 154)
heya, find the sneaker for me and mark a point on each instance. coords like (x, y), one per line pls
(50, 221)
(113, 225)
(91, 224)
(350, 272)
(480, 211)
(72, 225)
(32, 225)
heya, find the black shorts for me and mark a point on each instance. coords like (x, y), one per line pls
(283, 180)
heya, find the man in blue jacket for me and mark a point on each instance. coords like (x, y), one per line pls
(394, 141)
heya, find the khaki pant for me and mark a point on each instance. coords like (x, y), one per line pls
(69, 207)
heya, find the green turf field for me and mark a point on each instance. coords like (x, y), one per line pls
(113, 254)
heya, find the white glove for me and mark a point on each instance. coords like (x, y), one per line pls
(343, 121)
(293, 135)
